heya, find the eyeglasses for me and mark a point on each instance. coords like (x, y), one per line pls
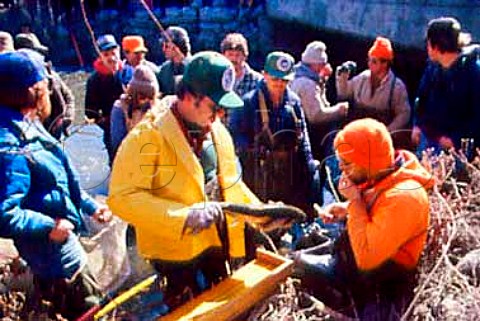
(138, 53)
(213, 106)
(233, 46)
(167, 45)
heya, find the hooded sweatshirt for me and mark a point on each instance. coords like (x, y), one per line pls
(390, 222)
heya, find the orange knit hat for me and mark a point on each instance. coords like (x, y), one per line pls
(133, 44)
(382, 49)
(367, 143)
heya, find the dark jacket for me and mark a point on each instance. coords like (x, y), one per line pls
(103, 88)
(245, 123)
(277, 165)
(448, 100)
(37, 186)
(63, 104)
(166, 76)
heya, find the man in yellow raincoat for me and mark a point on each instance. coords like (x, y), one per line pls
(171, 171)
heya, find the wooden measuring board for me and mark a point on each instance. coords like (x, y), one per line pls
(235, 295)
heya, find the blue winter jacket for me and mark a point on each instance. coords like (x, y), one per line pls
(38, 186)
(245, 123)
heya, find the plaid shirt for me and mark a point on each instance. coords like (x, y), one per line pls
(248, 82)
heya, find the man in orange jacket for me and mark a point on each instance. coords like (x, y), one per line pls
(386, 214)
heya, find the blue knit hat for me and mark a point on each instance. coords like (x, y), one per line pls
(21, 69)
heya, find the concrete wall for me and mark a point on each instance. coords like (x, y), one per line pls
(403, 21)
(207, 25)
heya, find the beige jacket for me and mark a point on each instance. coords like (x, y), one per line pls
(376, 104)
(314, 101)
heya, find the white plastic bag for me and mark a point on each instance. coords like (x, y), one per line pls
(106, 249)
(89, 157)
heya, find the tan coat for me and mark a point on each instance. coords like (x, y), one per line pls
(376, 104)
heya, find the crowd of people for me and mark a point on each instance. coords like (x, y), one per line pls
(205, 128)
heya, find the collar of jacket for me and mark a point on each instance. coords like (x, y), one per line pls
(386, 80)
(103, 70)
(406, 167)
(9, 113)
(170, 128)
(285, 99)
(246, 71)
(302, 70)
(194, 136)
(25, 127)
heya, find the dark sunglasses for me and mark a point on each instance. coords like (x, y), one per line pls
(237, 47)
(214, 107)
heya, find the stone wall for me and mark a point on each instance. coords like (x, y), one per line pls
(403, 21)
(207, 25)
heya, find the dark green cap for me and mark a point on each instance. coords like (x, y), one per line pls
(279, 64)
(209, 73)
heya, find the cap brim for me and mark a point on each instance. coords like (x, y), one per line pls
(42, 49)
(281, 75)
(230, 100)
(108, 47)
(140, 49)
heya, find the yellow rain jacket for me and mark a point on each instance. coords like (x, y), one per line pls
(156, 177)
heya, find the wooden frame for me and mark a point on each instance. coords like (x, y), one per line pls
(237, 294)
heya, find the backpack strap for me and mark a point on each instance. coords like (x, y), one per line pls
(264, 116)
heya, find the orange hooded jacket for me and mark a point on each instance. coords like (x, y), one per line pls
(393, 225)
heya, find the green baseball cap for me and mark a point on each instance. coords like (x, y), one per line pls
(209, 73)
(279, 64)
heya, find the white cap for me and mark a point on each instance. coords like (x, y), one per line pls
(315, 53)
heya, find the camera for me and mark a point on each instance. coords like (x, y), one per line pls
(348, 66)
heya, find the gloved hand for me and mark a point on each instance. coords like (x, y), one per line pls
(201, 216)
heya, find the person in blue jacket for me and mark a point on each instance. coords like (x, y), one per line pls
(272, 140)
(41, 202)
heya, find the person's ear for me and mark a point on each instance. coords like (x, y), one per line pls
(32, 96)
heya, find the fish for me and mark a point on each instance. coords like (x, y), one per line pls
(270, 210)
(257, 214)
